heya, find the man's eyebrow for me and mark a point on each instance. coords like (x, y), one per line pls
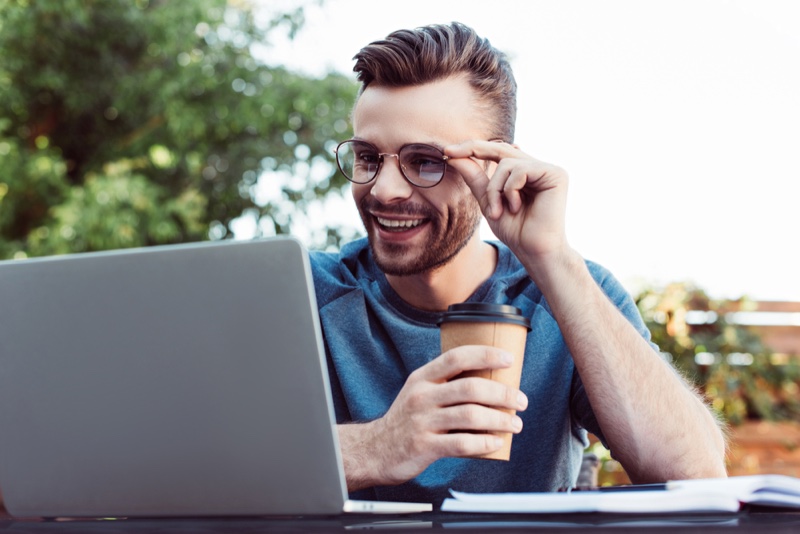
(434, 144)
(357, 138)
(429, 143)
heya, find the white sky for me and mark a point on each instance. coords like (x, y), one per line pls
(678, 122)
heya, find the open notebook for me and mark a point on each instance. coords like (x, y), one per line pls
(184, 380)
(701, 495)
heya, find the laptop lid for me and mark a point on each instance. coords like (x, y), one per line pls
(174, 380)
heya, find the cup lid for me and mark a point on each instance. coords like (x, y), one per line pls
(479, 312)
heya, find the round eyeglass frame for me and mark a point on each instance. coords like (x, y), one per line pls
(383, 155)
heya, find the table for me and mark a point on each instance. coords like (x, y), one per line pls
(761, 520)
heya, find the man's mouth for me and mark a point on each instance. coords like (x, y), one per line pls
(398, 225)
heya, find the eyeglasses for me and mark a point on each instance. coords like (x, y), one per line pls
(360, 162)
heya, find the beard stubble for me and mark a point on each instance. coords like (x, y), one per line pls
(447, 238)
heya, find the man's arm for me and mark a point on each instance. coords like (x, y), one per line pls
(658, 428)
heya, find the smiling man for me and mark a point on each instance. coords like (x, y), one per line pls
(433, 151)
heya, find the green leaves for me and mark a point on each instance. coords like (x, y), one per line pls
(119, 208)
(139, 123)
(742, 378)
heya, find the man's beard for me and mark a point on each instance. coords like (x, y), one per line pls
(446, 240)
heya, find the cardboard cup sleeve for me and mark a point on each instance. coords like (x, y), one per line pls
(495, 325)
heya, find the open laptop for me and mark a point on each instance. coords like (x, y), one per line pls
(185, 380)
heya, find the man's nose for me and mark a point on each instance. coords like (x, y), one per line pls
(390, 185)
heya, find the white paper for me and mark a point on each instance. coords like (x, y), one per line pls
(703, 495)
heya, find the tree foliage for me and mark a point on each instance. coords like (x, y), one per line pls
(133, 123)
(730, 364)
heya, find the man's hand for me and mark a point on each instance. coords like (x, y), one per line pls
(433, 417)
(524, 200)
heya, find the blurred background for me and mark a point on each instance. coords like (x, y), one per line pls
(127, 123)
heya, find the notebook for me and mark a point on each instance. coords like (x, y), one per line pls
(721, 495)
(181, 380)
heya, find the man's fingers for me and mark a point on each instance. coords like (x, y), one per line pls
(465, 444)
(464, 358)
(486, 150)
(512, 187)
(515, 171)
(466, 157)
(483, 391)
(475, 418)
(477, 181)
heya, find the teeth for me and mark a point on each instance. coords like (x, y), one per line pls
(394, 223)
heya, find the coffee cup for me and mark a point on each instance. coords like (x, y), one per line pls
(495, 325)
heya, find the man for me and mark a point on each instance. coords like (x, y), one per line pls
(433, 150)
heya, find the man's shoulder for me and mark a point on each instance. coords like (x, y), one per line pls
(349, 255)
(338, 272)
(599, 272)
(615, 290)
(509, 263)
(514, 275)
(610, 284)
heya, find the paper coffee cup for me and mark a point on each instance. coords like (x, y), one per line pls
(495, 325)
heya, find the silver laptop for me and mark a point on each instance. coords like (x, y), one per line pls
(185, 380)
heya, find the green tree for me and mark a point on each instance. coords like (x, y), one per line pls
(133, 123)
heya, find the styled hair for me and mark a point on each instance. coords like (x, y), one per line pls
(431, 53)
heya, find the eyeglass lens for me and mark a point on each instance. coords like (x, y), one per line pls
(422, 165)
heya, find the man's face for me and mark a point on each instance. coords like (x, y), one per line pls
(413, 230)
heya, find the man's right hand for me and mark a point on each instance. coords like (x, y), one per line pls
(433, 417)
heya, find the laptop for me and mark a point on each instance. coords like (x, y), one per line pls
(180, 380)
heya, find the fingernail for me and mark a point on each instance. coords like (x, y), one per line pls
(522, 401)
(498, 442)
(506, 358)
(517, 423)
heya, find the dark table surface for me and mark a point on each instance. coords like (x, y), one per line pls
(754, 520)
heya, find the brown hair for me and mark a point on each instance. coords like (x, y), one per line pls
(431, 53)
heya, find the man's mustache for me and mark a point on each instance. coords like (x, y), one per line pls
(369, 204)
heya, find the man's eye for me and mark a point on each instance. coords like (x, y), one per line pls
(368, 157)
(424, 160)
(427, 161)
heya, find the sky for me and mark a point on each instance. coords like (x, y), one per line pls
(678, 122)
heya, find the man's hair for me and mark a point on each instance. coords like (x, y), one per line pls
(430, 53)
